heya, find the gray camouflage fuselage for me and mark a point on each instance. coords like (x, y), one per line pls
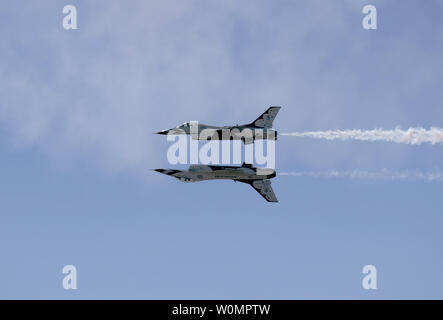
(259, 129)
(208, 172)
(258, 178)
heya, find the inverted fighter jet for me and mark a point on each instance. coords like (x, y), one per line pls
(261, 128)
(258, 178)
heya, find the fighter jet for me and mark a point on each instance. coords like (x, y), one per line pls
(260, 128)
(258, 178)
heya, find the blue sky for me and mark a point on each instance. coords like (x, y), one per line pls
(77, 112)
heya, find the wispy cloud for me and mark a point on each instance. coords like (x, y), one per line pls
(100, 91)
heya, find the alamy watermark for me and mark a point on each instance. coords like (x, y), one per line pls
(222, 145)
(70, 280)
(370, 19)
(70, 20)
(369, 281)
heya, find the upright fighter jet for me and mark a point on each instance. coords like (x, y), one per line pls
(258, 178)
(260, 128)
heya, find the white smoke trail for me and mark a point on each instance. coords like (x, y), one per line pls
(411, 136)
(433, 176)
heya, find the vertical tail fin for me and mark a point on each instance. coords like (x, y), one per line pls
(266, 119)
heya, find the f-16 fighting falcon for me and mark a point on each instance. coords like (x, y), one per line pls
(258, 178)
(261, 128)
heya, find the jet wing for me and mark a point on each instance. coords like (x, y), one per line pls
(263, 187)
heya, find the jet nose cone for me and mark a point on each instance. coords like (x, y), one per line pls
(163, 132)
(168, 172)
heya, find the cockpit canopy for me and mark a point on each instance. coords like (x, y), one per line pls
(184, 125)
